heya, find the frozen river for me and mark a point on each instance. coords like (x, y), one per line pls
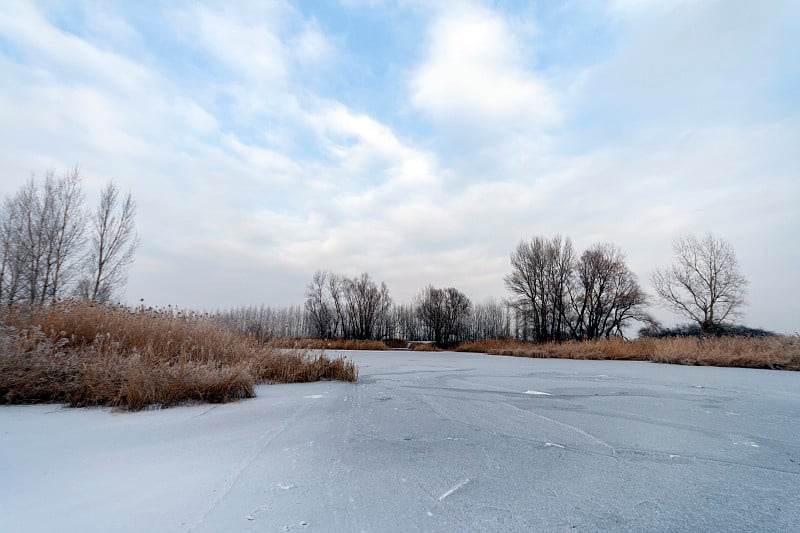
(425, 442)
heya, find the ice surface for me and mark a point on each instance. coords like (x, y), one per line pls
(424, 442)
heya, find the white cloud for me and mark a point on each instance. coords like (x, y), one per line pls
(241, 205)
(477, 73)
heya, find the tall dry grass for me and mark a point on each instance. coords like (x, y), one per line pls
(329, 344)
(777, 352)
(83, 354)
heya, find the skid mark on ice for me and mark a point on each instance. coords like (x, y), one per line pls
(577, 430)
(570, 427)
(206, 411)
(453, 489)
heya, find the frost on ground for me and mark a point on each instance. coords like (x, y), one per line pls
(424, 442)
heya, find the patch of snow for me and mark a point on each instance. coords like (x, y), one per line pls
(553, 444)
(314, 396)
(537, 393)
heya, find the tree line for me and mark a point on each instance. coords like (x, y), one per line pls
(556, 294)
(52, 246)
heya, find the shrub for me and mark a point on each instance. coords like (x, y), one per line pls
(775, 352)
(81, 354)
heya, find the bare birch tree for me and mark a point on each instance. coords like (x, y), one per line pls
(65, 232)
(703, 283)
(114, 242)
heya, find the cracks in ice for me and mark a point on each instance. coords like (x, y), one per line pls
(656, 455)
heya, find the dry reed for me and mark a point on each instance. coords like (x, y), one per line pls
(83, 354)
(776, 352)
(329, 344)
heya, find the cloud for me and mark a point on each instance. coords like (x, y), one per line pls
(252, 169)
(477, 73)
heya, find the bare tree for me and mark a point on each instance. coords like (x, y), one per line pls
(33, 210)
(320, 306)
(605, 295)
(703, 283)
(114, 243)
(489, 320)
(366, 305)
(539, 278)
(445, 312)
(336, 290)
(12, 266)
(65, 232)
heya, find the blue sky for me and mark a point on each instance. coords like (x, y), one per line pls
(418, 141)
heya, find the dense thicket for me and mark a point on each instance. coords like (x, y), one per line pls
(694, 330)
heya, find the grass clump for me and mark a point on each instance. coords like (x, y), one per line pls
(774, 352)
(85, 354)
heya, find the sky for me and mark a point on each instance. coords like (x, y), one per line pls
(418, 141)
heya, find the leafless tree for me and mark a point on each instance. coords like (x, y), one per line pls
(320, 307)
(605, 295)
(407, 323)
(366, 305)
(336, 291)
(341, 307)
(34, 210)
(703, 283)
(445, 313)
(12, 265)
(41, 237)
(265, 322)
(489, 320)
(113, 245)
(65, 232)
(540, 275)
